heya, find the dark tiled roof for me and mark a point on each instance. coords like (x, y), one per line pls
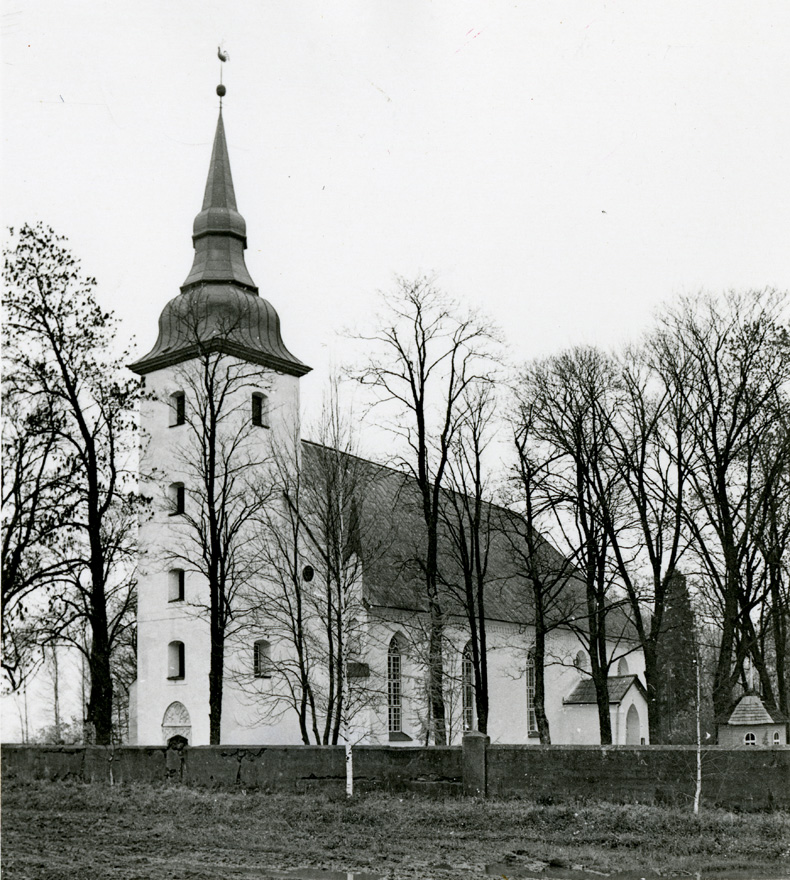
(392, 541)
(619, 685)
(750, 710)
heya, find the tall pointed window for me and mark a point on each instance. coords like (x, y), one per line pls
(260, 410)
(394, 687)
(468, 688)
(532, 718)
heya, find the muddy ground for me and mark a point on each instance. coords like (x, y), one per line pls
(71, 830)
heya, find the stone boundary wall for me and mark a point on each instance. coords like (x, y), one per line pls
(435, 771)
(737, 779)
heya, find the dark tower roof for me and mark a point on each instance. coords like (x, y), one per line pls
(218, 308)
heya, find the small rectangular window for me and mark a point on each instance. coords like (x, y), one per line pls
(177, 409)
(262, 659)
(259, 413)
(175, 660)
(177, 497)
(176, 586)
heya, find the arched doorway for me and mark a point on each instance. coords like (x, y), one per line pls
(632, 727)
(176, 722)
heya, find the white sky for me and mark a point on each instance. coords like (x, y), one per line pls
(564, 166)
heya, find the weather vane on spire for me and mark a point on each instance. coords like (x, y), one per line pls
(223, 56)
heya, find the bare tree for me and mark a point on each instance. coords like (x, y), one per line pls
(470, 519)
(569, 399)
(58, 353)
(426, 355)
(315, 541)
(646, 449)
(278, 602)
(553, 598)
(736, 393)
(342, 539)
(771, 637)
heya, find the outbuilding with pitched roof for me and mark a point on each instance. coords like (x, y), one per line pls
(752, 723)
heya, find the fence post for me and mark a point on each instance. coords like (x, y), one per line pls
(475, 745)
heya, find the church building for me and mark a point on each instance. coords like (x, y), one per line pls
(220, 425)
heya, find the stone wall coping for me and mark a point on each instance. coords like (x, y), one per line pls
(561, 747)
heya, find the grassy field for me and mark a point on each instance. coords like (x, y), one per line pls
(71, 830)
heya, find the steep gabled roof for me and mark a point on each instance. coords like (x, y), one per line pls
(750, 710)
(618, 685)
(392, 541)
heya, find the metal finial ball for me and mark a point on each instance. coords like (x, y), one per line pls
(221, 91)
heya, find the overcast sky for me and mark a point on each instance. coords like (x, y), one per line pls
(564, 166)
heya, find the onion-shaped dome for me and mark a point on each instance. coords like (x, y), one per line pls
(224, 318)
(218, 308)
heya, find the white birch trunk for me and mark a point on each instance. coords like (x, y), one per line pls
(697, 709)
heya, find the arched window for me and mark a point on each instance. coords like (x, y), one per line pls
(176, 495)
(260, 410)
(532, 718)
(262, 659)
(777, 739)
(178, 412)
(394, 687)
(750, 740)
(175, 660)
(632, 727)
(468, 688)
(175, 587)
(622, 667)
(580, 661)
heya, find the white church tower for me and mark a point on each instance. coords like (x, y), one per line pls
(218, 318)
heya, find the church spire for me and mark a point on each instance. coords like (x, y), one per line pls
(218, 308)
(219, 233)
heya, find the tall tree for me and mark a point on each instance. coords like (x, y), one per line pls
(535, 494)
(470, 520)
(773, 540)
(342, 538)
(279, 602)
(647, 444)
(426, 354)
(315, 538)
(570, 398)
(59, 352)
(737, 348)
